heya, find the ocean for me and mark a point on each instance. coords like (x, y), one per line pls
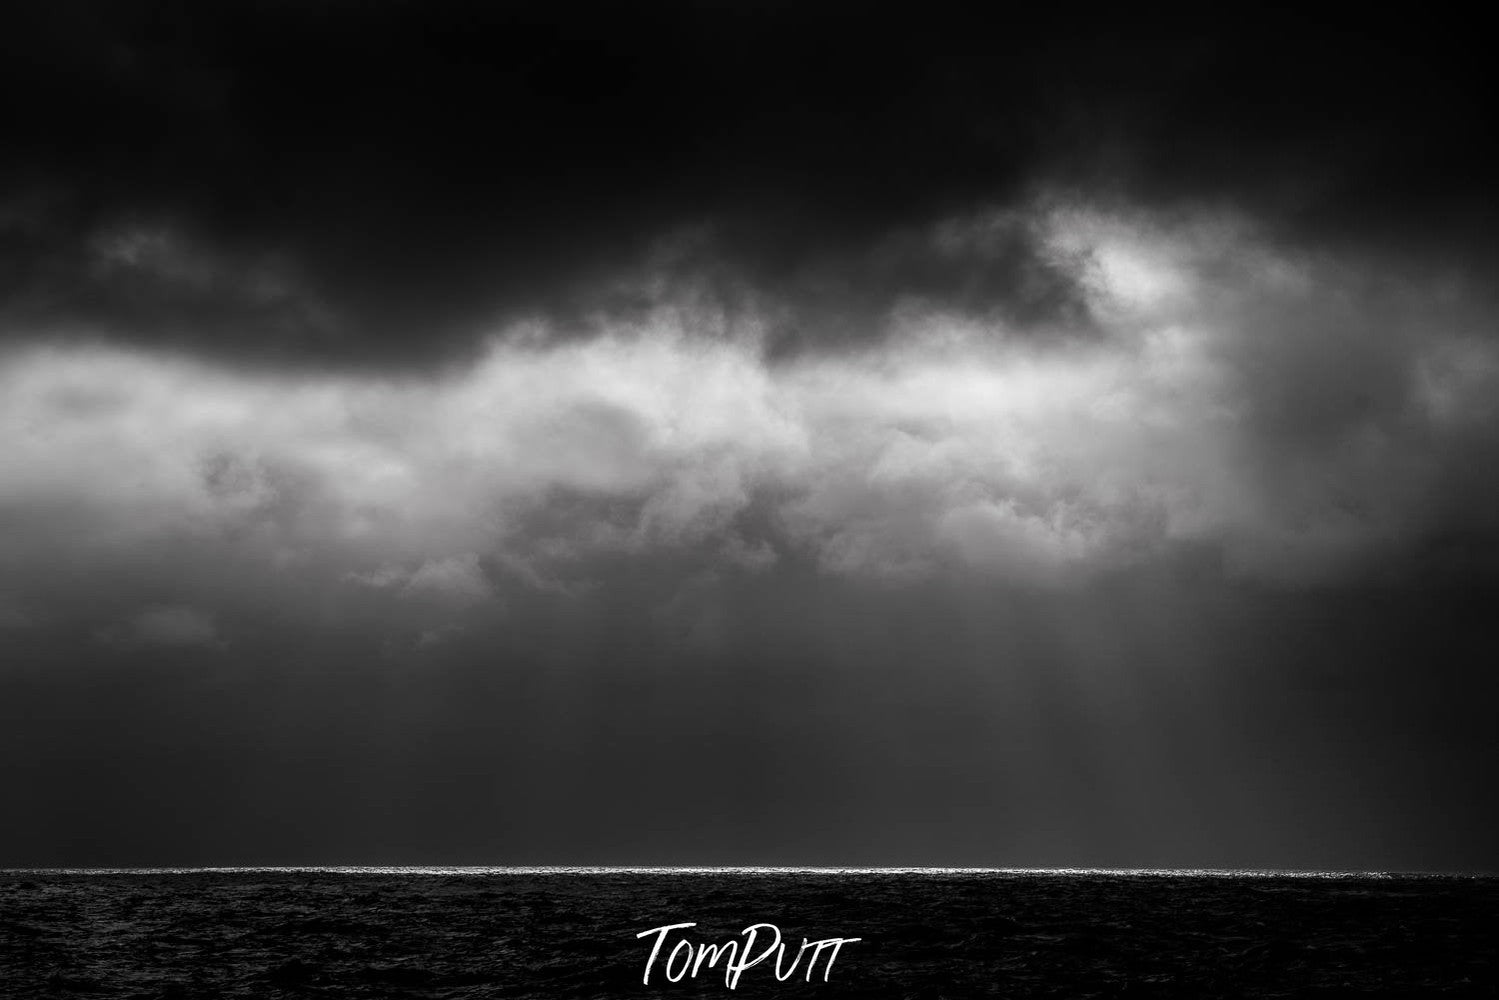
(175, 934)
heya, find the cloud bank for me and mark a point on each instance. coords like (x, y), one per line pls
(1304, 418)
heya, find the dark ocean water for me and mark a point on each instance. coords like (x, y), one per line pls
(384, 934)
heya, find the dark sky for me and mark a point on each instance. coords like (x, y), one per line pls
(745, 433)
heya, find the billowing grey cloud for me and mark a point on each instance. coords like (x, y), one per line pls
(1303, 416)
(458, 578)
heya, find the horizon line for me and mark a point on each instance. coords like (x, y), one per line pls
(356, 869)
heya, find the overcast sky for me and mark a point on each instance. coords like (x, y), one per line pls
(747, 434)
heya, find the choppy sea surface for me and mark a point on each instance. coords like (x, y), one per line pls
(480, 933)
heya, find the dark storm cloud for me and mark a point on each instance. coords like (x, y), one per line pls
(380, 182)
